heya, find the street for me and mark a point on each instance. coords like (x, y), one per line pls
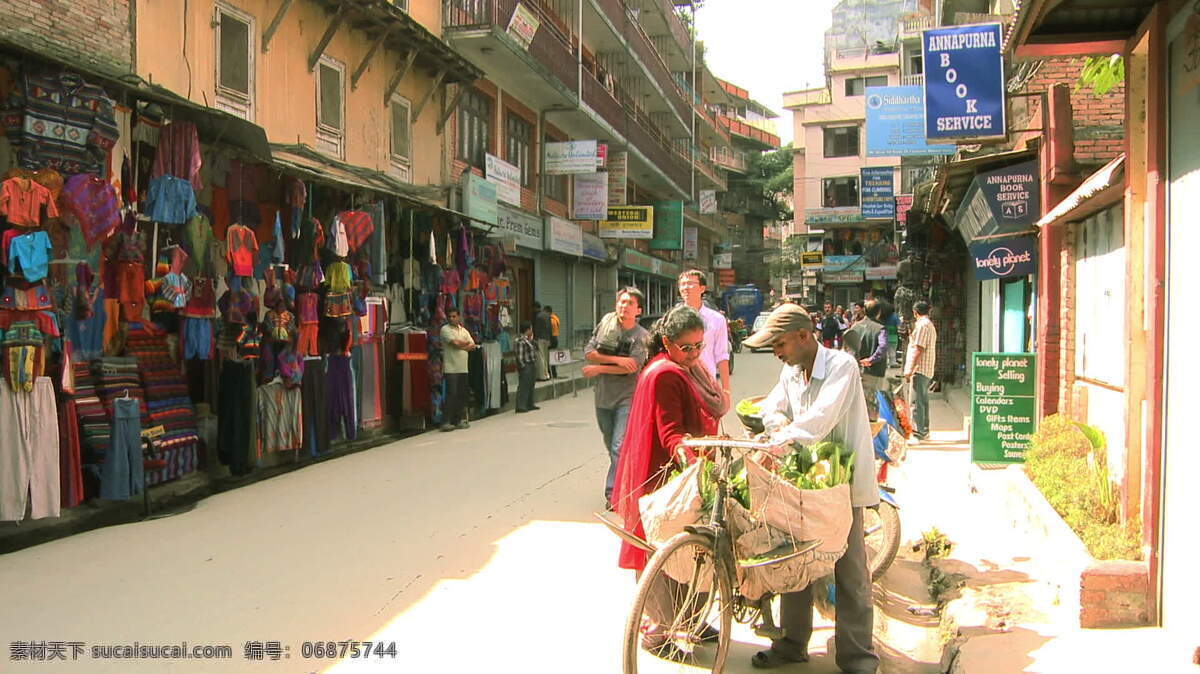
(472, 551)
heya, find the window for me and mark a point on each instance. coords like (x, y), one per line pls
(235, 61)
(401, 145)
(839, 192)
(474, 127)
(841, 141)
(331, 110)
(1100, 277)
(857, 86)
(555, 185)
(916, 65)
(518, 141)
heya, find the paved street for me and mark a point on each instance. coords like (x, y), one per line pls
(473, 551)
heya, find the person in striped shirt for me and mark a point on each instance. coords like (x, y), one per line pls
(527, 369)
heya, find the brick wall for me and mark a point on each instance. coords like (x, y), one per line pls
(1114, 594)
(92, 33)
(1098, 121)
(1066, 325)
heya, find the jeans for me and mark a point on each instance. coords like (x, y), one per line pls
(122, 475)
(920, 385)
(612, 426)
(526, 377)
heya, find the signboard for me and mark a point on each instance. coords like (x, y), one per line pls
(708, 202)
(628, 222)
(576, 156)
(507, 178)
(878, 196)
(479, 198)
(560, 357)
(526, 229)
(523, 26)
(1014, 194)
(896, 124)
(842, 276)
(845, 263)
(591, 196)
(832, 216)
(1003, 406)
(618, 178)
(903, 203)
(722, 260)
(964, 83)
(1007, 258)
(601, 155)
(594, 248)
(884, 272)
(691, 243)
(811, 260)
(563, 236)
(668, 226)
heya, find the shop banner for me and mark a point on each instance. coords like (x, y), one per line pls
(576, 156)
(837, 263)
(601, 155)
(479, 198)
(812, 260)
(1003, 406)
(628, 222)
(722, 260)
(885, 272)
(964, 83)
(594, 248)
(896, 124)
(842, 276)
(708, 202)
(668, 226)
(1008, 258)
(523, 26)
(523, 228)
(507, 178)
(877, 192)
(618, 178)
(832, 216)
(563, 236)
(591, 196)
(691, 243)
(903, 203)
(1014, 193)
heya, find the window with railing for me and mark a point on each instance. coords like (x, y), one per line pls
(474, 127)
(839, 192)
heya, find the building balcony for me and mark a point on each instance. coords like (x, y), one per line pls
(728, 159)
(662, 20)
(912, 25)
(740, 130)
(967, 18)
(912, 80)
(806, 97)
(709, 130)
(710, 176)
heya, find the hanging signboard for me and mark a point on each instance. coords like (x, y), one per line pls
(836, 263)
(507, 178)
(524, 228)
(841, 215)
(601, 155)
(878, 197)
(618, 177)
(594, 248)
(842, 276)
(708, 202)
(722, 260)
(523, 26)
(1007, 258)
(903, 203)
(884, 272)
(691, 243)
(591, 196)
(964, 83)
(628, 222)
(563, 236)
(1014, 193)
(1003, 406)
(812, 260)
(896, 124)
(668, 226)
(479, 198)
(576, 156)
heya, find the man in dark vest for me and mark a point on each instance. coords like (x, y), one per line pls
(868, 339)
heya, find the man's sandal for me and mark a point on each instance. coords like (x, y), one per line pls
(771, 658)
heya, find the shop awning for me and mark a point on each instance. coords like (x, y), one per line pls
(1100, 190)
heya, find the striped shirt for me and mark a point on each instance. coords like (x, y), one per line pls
(923, 335)
(526, 352)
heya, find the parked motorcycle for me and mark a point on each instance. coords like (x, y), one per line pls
(881, 524)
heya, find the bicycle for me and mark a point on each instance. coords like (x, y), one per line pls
(703, 554)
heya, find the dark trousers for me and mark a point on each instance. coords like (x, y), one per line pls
(315, 404)
(525, 377)
(341, 398)
(553, 345)
(855, 612)
(234, 412)
(456, 398)
(920, 389)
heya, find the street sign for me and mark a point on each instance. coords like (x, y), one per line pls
(896, 124)
(964, 83)
(878, 196)
(1006, 258)
(1003, 406)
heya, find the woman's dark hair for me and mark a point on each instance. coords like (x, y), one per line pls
(680, 319)
(526, 326)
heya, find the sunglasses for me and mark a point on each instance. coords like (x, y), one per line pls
(688, 348)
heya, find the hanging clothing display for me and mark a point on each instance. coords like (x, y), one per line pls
(234, 416)
(280, 418)
(123, 475)
(29, 452)
(315, 401)
(341, 389)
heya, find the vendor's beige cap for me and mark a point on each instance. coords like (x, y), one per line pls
(785, 318)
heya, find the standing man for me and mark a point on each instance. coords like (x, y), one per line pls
(818, 398)
(715, 354)
(456, 345)
(527, 369)
(542, 333)
(830, 327)
(870, 350)
(555, 325)
(918, 366)
(615, 354)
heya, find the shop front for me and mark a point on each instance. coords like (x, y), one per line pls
(655, 277)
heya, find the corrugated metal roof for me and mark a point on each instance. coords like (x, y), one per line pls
(1111, 174)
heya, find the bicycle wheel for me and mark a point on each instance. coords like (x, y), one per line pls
(881, 525)
(682, 595)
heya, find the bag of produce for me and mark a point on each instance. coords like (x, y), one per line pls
(666, 511)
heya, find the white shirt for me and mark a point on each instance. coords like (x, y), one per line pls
(829, 406)
(716, 340)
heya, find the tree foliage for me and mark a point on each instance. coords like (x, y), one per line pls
(769, 176)
(1101, 74)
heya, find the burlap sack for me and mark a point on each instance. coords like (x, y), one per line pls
(666, 512)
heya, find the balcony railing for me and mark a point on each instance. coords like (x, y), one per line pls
(644, 47)
(552, 46)
(739, 128)
(911, 26)
(966, 18)
(678, 30)
(705, 165)
(913, 80)
(734, 161)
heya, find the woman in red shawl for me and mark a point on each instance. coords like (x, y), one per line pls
(675, 397)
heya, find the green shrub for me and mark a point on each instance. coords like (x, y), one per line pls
(1068, 463)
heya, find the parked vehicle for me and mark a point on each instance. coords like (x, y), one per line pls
(744, 302)
(881, 524)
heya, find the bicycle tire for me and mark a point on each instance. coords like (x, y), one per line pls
(880, 558)
(655, 572)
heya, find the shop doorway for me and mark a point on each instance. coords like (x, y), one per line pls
(1014, 317)
(522, 278)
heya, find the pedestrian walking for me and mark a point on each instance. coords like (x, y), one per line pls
(919, 364)
(615, 354)
(457, 343)
(555, 327)
(830, 328)
(527, 369)
(817, 398)
(715, 356)
(542, 332)
(869, 340)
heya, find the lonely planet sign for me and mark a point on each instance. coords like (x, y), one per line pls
(1010, 258)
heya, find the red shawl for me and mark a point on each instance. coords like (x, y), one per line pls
(665, 408)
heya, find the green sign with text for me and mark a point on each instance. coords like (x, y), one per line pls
(1003, 406)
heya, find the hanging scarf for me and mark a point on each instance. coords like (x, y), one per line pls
(715, 399)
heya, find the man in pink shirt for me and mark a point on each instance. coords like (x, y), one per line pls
(715, 355)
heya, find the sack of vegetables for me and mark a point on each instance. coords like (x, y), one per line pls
(749, 410)
(670, 508)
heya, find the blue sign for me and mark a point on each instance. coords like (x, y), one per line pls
(1014, 193)
(964, 83)
(877, 193)
(1007, 258)
(896, 124)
